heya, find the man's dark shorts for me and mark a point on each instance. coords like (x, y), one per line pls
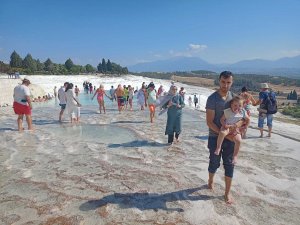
(226, 153)
(62, 106)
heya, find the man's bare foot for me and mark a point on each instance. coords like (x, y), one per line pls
(269, 135)
(261, 136)
(228, 200)
(210, 185)
(234, 161)
(176, 141)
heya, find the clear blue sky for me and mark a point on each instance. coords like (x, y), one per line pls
(132, 31)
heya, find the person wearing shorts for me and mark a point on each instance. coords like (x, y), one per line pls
(22, 104)
(62, 100)
(119, 92)
(151, 97)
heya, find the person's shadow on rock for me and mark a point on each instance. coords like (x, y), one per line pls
(146, 201)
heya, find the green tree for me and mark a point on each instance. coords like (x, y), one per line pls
(69, 64)
(104, 68)
(49, 66)
(294, 95)
(15, 60)
(29, 63)
(39, 65)
(89, 68)
(4, 68)
(109, 66)
(125, 70)
(99, 67)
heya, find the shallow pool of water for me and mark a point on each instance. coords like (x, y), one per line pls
(106, 134)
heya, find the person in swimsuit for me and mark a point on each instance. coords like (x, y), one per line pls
(130, 96)
(119, 92)
(76, 91)
(100, 97)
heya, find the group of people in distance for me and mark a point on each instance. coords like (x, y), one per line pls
(227, 115)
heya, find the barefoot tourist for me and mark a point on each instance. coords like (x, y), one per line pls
(100, 98)
(174, 106)
(215, 105)
(62, 100)
(151, 98)
(73, 106)
(22, 104)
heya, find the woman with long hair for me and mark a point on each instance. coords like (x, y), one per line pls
(100, 97)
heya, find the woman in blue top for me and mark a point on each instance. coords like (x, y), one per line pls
(174, 105)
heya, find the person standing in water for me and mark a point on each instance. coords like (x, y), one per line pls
(62, 100)
(76, 91)
(55, 91)
(119, 92)
(22, 104)
(73, 105)
(100, 97)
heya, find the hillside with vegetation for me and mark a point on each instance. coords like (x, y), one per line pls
(29, 65)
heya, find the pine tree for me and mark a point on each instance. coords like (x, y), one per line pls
(29, 63)
(104, 68)
(15, 60)
(99, 67)
(69, 64)
(48, 65)
(39, 65)
(109, 66)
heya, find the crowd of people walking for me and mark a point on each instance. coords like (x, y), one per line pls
(227, 114)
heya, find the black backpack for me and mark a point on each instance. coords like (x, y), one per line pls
(270, 103)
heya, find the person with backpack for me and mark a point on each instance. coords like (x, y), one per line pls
(267, 107)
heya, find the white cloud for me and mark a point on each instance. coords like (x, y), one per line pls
(191, 50)
(290, 53)
(197, 47)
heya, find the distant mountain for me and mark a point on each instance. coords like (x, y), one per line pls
(171, 65)
(284, 66)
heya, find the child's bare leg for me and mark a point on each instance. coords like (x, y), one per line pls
(237, 143)
(222, 135)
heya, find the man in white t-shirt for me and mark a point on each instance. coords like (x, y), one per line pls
(22, 104)
(62, 99)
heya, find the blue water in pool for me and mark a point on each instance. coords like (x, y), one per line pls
(84, 99)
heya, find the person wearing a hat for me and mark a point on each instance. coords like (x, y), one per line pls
(22, 104)
(263, 95)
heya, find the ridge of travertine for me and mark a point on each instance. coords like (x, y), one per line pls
(7, 89)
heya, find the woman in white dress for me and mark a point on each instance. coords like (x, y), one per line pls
(72, 105)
